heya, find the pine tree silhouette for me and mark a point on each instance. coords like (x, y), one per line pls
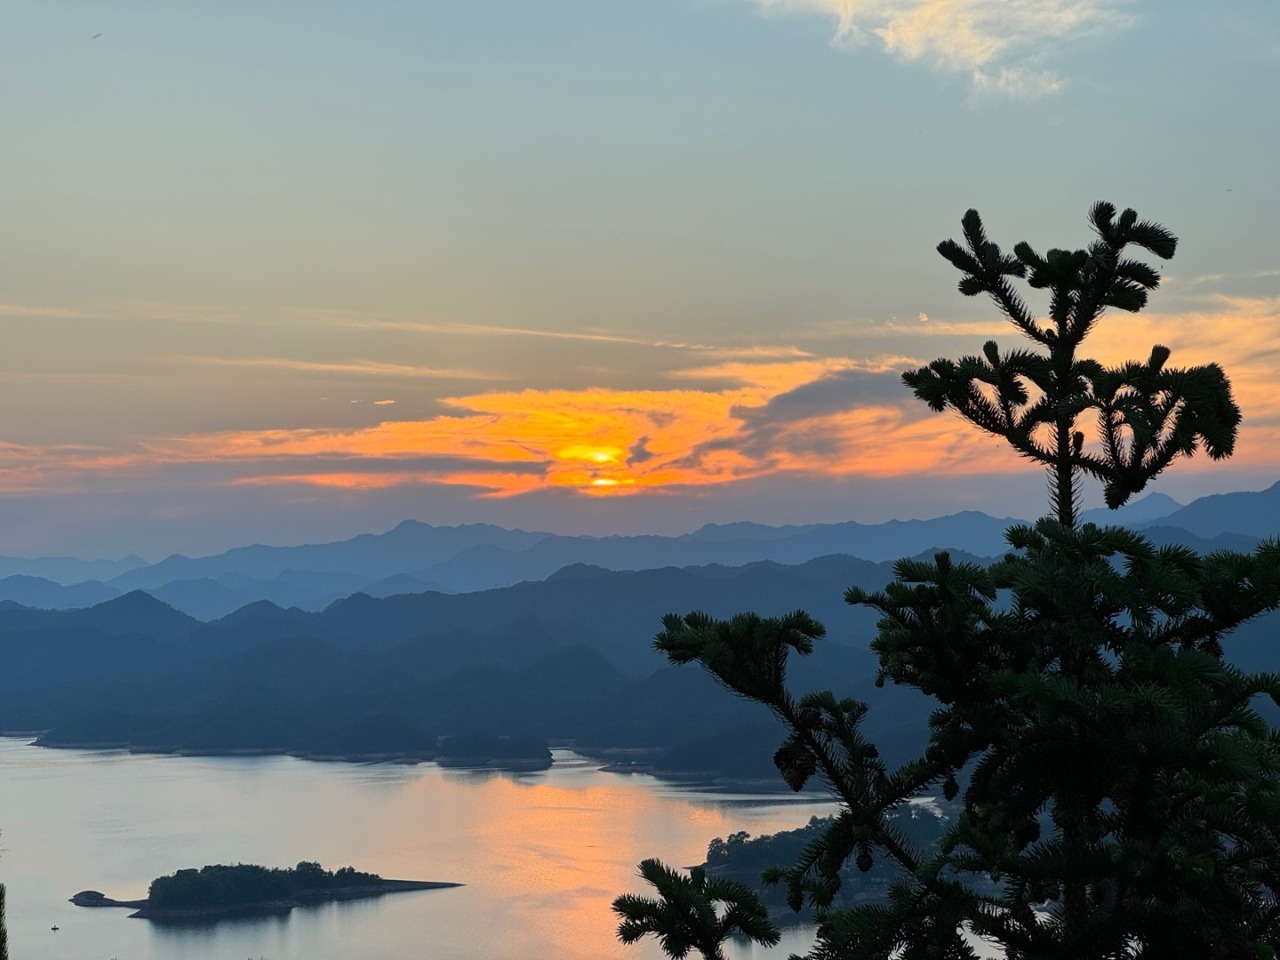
(693, 912)
(1120, 792)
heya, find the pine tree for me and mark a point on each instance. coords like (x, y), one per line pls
(1120, 791)
(693, 912)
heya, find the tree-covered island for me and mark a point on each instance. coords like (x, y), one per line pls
(220, 890)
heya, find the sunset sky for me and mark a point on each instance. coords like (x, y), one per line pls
(279, 271)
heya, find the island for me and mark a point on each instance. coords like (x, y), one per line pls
(222, 891)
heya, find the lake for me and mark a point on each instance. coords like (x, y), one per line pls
(542, 854)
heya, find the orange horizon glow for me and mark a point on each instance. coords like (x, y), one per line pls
(714, 426)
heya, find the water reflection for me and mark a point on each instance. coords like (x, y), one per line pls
(542, 854)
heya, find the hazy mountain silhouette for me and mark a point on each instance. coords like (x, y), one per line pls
(1162, 535)
(133, 613)
(1252, 514)
(50, 595)
(209, 599)
(67, 570)
(490, 565)
(414, 557)
(407, 547)
(1153, 506)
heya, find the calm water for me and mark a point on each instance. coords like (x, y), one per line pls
(542, 855)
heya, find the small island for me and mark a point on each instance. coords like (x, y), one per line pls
(222, 891)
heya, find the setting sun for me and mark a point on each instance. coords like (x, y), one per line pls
(590, 454)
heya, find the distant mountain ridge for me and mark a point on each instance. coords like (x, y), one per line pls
(67, 570)
(1153, 506)
(1251, 514)
(410, 545)
(416, 557)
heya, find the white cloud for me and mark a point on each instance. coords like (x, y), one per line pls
(1017, 83)
(1000, 44)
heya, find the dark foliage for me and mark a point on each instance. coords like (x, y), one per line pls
(747, 859)
(222, 886)
(1118, 788)
(693, 912)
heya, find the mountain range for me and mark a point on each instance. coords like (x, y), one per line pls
(556, 644)
(415, 557)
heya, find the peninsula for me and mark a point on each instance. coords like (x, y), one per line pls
(221, 891)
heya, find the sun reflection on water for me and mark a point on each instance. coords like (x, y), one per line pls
(541, 855)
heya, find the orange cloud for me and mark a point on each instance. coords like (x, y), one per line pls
(599, 441)
(746, 414)
(604, 442)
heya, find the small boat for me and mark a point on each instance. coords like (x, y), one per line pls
(54, 928)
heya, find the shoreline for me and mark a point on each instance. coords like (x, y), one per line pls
(621, 761)
(515, 764)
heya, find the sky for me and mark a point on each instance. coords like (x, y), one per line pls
(286, 272)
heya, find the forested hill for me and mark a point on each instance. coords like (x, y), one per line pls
(565, 658)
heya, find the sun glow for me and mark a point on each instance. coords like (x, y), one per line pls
(710, 424)
(591, 454)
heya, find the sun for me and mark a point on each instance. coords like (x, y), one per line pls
(590, 454)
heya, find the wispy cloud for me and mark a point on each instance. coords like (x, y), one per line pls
(493, 330)
(73, 376)
(43, 311)
(367, 368)
(312, 317)
(1003, 45)
(753, 351)
(359, 321)
(770, 378)
(1207, 279)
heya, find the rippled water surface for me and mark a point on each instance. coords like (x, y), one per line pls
(542, 855)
